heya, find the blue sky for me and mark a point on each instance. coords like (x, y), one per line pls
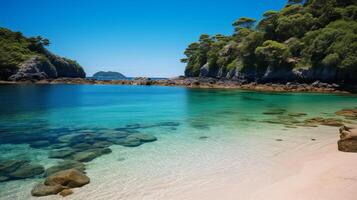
(136, 38)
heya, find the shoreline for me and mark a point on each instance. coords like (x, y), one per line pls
(316, 87)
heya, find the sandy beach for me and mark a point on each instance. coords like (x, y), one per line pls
(314, 170)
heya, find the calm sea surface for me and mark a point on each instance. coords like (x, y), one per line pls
(197, 131)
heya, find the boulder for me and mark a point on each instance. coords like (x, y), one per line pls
(68, 178)
(45, 190)
(348, 141)
(347, 145)
(64, 165)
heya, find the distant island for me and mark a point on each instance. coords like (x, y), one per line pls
(23, 58)
(102, 75)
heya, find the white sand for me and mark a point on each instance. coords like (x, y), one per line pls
(296, 168)
(326, 175)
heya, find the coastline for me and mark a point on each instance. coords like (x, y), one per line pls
(190, 82)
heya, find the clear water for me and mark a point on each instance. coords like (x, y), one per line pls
(200, 133)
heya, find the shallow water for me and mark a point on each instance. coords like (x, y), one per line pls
(202, 134)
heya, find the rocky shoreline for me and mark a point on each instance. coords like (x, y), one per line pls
(191, 82)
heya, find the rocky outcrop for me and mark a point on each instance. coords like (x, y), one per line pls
(47, 67)
(62, 182)
(276, 74)
(36, 68)
(348, 141)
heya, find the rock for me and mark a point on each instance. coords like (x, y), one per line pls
(348, 133)
(64, 165)
(35, 68)
(279, 140)
(7, 166)
(349, 113)
(277, 111)
(130, 142)
(203, 137)
(45, 190)
(66, 192)
(297, 114)
(3, 178)
(39, 144)
(332, 122)
(143, 137)
(91, 154)
(347, 145)
(61, 153)
(27, 170)
(84, 156)
(69, 178)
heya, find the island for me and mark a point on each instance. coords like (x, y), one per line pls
(109, 75)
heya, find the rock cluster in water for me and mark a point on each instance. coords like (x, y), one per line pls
(75, 147)
(19, 169)
(294, 120)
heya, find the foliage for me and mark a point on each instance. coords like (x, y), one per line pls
(309, 33)
(15, 49)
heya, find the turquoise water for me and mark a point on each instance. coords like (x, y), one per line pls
(195, 129)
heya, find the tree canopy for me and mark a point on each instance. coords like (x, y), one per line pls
(309, 34)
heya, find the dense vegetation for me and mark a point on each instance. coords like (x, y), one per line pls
(306, 40)
(16, 49)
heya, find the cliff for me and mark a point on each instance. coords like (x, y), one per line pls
(24, 58)
(306, 41)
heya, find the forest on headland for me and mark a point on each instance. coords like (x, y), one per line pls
(307, 40)
(26, 58)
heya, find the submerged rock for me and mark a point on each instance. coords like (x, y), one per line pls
(203, 137)
(27, 170)
(276, 111)
(7, 166)
(297, 114)
(61, 153)
(91, 154)
(130, 142)
(39, 144)
(143, 137)
(3, 178)
(64, 165)
(348, 113)
(70, 178)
